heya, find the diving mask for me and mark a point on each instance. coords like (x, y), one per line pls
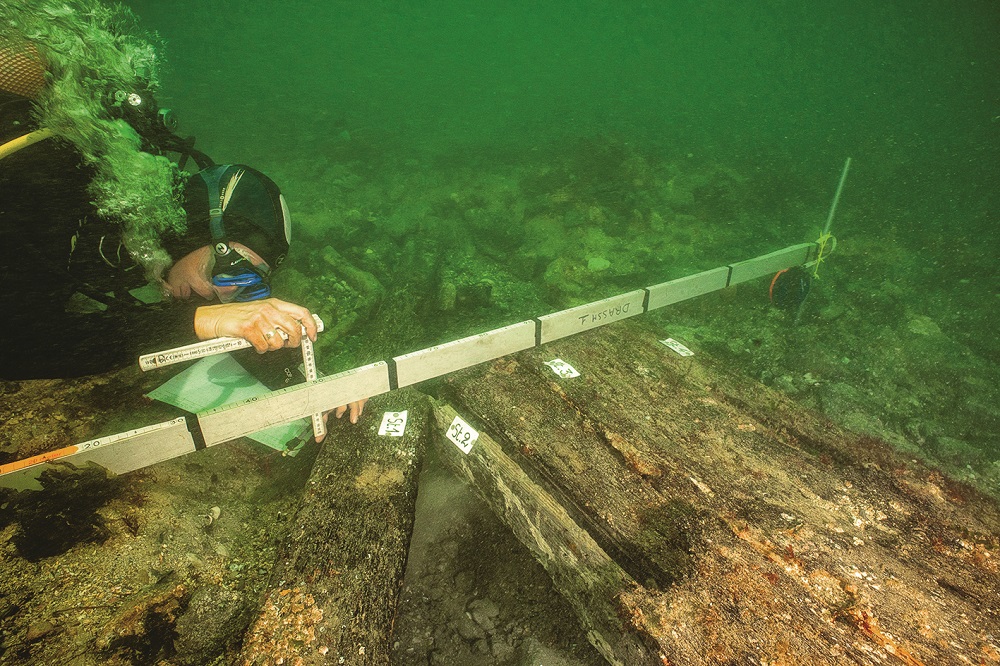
(234, 268)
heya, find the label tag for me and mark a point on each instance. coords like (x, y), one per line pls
(562, 368)
(462, 434)
(393, 424)
(677, 347)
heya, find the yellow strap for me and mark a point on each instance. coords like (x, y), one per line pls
(20, 142)
(823, 240)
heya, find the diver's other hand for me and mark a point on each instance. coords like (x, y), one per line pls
(188, 275)
(355, 409)
(261, 323)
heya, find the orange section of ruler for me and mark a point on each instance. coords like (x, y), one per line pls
(40, 458)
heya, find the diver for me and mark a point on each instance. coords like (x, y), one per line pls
(82, 296)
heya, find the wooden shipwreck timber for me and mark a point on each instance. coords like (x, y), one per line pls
(692, 516)
(689, 515)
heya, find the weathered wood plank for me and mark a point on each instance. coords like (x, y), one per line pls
(581, 461)
(761, 532)
(335, 585)
(589, 579)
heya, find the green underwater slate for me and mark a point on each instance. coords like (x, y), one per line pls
(220, 380)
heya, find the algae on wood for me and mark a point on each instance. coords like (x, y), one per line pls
(757, 531)
(335, 585)
(589, 579)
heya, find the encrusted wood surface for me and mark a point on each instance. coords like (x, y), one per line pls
(334, 589)
(758, 532)
(587, 576)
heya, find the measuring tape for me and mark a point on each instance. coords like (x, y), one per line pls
(309, 364)
(204, 348)
(222, 345)
(119, 453)
(146, 446)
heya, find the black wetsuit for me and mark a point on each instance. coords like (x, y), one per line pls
(65, 277)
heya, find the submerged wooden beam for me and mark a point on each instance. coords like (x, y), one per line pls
(751, 530)
(335, 585)
(585, 575)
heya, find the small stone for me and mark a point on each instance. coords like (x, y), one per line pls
(484, 607)
(447, 295)
(208, 625)
(484, 612)
(463, 582)
(213, 515)
(597, 264)
(38, 630)
(194, 560)
(469, 630)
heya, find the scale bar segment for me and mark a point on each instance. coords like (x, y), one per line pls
(591, 315)
(118, 453)
(244, 417)
(433, 362)
(767, 264)
(681, 289)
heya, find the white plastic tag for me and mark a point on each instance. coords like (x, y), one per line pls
(462, 434)
(393, 424)
(562, 368)
(677, 347)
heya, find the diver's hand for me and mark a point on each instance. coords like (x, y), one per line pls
(189, 276)
(261, 323)
(355, 409)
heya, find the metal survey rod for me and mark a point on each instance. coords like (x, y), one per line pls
(836, 197)
(145, 446)
(202, 349)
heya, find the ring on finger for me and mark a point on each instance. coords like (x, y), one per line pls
(269, 335)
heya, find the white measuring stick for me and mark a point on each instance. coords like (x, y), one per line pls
(202, 349)
(309, 363)
(225, 423)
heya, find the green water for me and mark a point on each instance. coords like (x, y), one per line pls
(561, 152)
(453, 168)
(905, 81)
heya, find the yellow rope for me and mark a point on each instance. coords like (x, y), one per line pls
(20, 142)
(823, 240)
